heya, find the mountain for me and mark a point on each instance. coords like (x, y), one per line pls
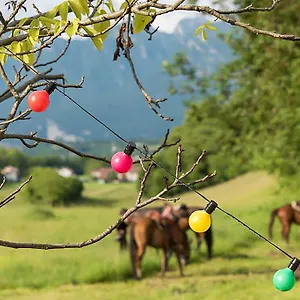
(110, 92)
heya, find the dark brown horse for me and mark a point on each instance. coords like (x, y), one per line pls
(145, 231)
(183, 211)
(179, 212)
(287, 214)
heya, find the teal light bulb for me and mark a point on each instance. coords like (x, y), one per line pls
(284, 279)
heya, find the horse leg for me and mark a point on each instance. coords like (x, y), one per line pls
(168, 256)
(164, 262)
(199, 240)
(133, 258)
(286, 227)
(178, 256)
(140, 253)
(209, 242)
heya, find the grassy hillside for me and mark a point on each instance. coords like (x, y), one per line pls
(242, 267)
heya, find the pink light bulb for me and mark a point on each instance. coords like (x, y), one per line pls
(121, 162)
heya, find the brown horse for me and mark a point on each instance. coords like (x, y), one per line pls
(287, 215)
(145, 231)
(181, 211)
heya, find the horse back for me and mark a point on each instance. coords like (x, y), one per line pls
(146, 231)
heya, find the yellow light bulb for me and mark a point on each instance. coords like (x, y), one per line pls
(199, 221)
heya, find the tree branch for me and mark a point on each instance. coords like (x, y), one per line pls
(59, 144)
(11, 196)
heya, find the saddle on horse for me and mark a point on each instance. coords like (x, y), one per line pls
(296, 205)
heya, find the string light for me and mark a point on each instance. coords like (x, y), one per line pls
(200, 220)
(38, 101)
(283, 279)
(121, 162)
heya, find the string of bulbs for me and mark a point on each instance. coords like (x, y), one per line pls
(121, 162)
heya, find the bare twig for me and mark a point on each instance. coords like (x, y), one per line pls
(164, 144)
(14, 92)
(30, 146)
(3, 182)
(169, 199)
(195, 164)
(143, 182)
(16, 10)
(11, 196)
(19, 117)
(150, 100)
(205, 178)
(178, 165)
(142, 164)
(56, 59)
(250, 8)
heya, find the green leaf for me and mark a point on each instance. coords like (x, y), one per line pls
(100, 27)
(64, 10)
(57, 28)
(204, 36)
(140, 22)
(110, 5)
(47, 22)
(76, 8)
(22, 22)
(16, 32)
(125, 4)
(13, 46)
(72, 28)
(25, 46)
(198, 30)
(52, 13)
(18, 47)
(210, 27)
(3, 56)
(34, 30)
(96, 40)
(84, 7)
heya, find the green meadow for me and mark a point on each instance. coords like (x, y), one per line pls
(242, 267)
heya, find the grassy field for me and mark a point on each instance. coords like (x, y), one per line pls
(242, 267)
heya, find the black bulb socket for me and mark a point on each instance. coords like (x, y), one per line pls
(50, 87)
(211, 206)
(129, 148)
(294, 264)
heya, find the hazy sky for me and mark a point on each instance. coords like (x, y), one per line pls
(166, 23)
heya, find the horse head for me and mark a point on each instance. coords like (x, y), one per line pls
(121, 231)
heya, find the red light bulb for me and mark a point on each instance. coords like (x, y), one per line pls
(121, 162)
(38, 101)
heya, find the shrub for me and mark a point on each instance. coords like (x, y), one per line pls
(47, 187)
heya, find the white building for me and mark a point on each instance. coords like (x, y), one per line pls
(66, 172)
(11, 173)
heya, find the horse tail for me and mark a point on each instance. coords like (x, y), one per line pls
(271, 222)
(208, 236)
(133, 248)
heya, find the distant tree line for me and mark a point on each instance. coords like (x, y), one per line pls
(14, 157)
(249, 114)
